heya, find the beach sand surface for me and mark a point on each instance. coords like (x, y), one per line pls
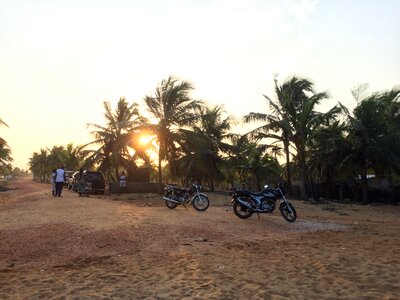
(134, 247)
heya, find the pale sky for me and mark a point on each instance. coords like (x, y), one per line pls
(59, 60)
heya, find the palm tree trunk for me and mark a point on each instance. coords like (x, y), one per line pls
(160, 185)
(212, 184)
(288, 172)
(303, 176)
(303, 193)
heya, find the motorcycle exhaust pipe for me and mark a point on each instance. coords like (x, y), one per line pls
(170, 200)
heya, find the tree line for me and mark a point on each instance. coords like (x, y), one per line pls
(194, 141)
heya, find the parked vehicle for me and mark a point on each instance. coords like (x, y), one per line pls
(98, 182)
(175, 196)
(96, 178)
(246, 203)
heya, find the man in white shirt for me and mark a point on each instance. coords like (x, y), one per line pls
(59, 180)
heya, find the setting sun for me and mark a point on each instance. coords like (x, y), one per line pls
(146, 139)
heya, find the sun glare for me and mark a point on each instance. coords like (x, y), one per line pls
(145, 139)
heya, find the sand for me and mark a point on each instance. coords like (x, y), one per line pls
(134, 247)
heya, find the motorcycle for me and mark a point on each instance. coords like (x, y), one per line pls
(246, 203)
(175, 196)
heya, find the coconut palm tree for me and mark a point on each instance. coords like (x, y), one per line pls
(295, 119)
(252, 163)
(300, 101)
(238, 154)
(40, 166)
(276, 126)
(5, 151)
(328, 150)
(114, 138)
(73, 157)
(198, 161)
(261, 165)
(5, 158)
(374, 134)
(214, 127)
(70, 157)
(173, 108)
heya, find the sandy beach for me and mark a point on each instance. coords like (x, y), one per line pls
(134, 247)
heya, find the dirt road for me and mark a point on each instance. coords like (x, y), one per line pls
(102, 248)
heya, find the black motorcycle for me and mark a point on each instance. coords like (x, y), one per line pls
(174, 196)
(246, 203)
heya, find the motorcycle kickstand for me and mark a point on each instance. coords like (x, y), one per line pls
(183, 204)
(258, 216)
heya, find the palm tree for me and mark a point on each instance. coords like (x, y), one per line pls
(70, 157)
(5, 158)
(73, 159)
(251, 162)
(374, 135)
(276, 126)
(114, 138)
(40, 166)
(213, 125)
(295, 119)
(261, 165)
(173, 108)
(5, 152)
(300, 101)
(198, 161)
(328, 150)
(215, 129)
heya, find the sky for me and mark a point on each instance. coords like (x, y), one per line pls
(60, 60)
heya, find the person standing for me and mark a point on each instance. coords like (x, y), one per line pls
(81, 183)
(59, 180)
(53, 180)
(107, 189)
(122, 181)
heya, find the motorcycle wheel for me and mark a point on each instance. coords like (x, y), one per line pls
(169, 204)
(242, 211)
(288, 212)
(201, 203)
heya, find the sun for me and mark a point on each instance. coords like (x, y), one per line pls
(145, 139)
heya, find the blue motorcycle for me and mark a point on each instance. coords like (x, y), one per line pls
(246, 203)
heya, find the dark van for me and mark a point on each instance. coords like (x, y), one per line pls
(95, 177)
